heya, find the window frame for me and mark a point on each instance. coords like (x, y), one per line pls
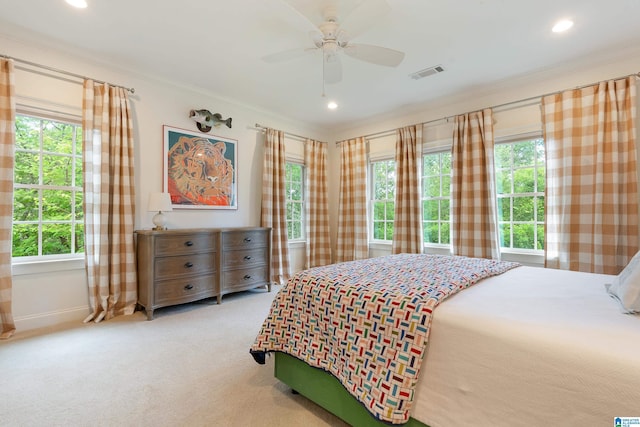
(423, 199)
(372, 202)
(536, 194)
(302, 202)
(53, 262)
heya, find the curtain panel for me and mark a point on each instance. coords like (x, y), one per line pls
(407, 223)
(352, 242)
(473, 194)
(274, 208)
(109, 197)
(592, 190)
(317, 206)
(7, 146)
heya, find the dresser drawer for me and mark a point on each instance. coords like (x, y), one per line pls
(186, 289)
(185, 243)
(244, 239)
(167, 267)
(244, 257)
(238, 279)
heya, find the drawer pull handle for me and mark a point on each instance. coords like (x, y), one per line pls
(247, 257)
(188, 243)
(188, 264)
(246, 277)
(188, 287)
(247, 239)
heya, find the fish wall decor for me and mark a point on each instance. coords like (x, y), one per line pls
(205, 120)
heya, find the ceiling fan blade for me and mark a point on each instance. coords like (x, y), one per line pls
(311, 10)
(375, 54)
(332, 69)
(364, 16)
(287, 55)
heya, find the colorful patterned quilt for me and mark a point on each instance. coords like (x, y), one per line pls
(367, 322)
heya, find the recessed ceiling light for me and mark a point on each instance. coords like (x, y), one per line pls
(562, 26)
(332, 105)
(80, 4)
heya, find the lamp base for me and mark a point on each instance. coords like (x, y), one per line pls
(160, 221)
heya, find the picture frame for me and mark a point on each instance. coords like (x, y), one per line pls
(200, 170)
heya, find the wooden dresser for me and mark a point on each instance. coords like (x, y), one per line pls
(185, 265)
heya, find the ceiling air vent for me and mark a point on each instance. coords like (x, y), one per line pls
(426, 72)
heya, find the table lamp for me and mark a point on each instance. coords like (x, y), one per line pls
(159, 202)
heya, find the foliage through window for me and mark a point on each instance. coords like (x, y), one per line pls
(294, 182)
(383, 189)
(47, 201)
(436, 197)
(520, 184)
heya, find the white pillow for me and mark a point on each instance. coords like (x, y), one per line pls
(626, 286)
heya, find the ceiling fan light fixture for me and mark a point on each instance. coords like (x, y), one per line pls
(332, 105)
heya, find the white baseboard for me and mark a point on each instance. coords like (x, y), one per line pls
(51, 319)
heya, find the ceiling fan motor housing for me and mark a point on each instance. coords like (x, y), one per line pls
(329, 30)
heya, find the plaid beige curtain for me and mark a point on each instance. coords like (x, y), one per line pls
(473, 194)
(407, 224)
(108, 162)
(352, 208)
(274, 208)
(317, 208)
(7, 144)
(592, 189)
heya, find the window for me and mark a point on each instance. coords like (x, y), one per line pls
(436, 197)
(383, 176)
(294, 182)
(47, 201)
(520, 185)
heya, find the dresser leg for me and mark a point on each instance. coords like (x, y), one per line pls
(149, 313)
(219, 297)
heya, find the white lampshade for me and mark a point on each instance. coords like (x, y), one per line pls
(159, 202)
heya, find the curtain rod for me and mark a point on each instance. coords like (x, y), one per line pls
(521, 103)
(301, 138)
(66, 73)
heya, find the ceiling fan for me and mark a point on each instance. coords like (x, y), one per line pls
(331, 39)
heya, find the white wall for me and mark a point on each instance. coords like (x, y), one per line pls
(46, 294)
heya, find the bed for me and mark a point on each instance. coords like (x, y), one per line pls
(525, 346)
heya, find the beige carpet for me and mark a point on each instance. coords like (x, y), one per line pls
(190, 366)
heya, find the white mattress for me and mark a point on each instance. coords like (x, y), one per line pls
(531, 347)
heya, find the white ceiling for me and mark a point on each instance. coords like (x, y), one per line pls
(217, 45)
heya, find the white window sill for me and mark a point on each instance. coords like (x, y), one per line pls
(524, 257)
(20, 268)
(296, 244)
(379, 244)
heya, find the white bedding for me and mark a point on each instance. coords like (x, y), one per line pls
(531, 347)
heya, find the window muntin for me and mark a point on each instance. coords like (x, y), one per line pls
(383, 179)
(520, 186)
(47, 211)
(436, 198)
(294, 184)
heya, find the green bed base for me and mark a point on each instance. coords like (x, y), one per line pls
(325, 390)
